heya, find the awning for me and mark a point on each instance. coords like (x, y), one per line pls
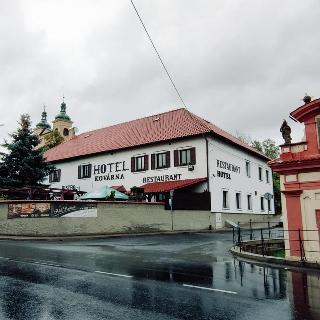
(156, 187)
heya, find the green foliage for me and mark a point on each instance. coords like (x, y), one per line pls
(112, 195)
(23, 164)
(270, 149)
(52, 139)
(257, 145)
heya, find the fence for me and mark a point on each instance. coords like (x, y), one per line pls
(304, 244)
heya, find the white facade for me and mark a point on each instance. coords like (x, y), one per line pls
(227, 172)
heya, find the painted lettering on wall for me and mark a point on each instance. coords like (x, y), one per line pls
(108, 176)
(109, 171)
(110, 167)
(222, 174)
(166, 177)
(228, 166)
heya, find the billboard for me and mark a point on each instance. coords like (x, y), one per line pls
(51, 210)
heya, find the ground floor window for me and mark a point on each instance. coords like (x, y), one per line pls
(238, 200)
(269, 205)
(249, 200)
(225, 199)
(262, 203)
(55, 175)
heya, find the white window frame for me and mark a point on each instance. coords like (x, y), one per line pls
(249, 201)
(262, 205)
(225, 192)
(267, 176)
(260, 173)
(157, 156)
(248, 168)
(240, 204)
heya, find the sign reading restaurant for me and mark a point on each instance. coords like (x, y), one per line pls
(163, 178)
(227, 166)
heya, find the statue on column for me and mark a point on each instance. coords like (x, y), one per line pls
(286, 132)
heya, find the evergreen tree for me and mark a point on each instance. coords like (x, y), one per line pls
(23, 165)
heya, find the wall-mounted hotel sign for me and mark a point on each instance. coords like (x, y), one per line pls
(226, 166)
(109, 171)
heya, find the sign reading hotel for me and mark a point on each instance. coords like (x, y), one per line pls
(226, 166)
(51, 210)
(109, 171)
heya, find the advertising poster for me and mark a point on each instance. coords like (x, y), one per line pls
(52, 210)
(29, 210)
(73, 210)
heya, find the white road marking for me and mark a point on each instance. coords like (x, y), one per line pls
(113, 274)
(210, 289)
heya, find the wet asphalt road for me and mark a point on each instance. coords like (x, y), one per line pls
(187, 276)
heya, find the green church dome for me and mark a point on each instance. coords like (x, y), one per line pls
(63, 115)
(43, 124)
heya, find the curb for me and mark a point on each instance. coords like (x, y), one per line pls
(284, 262)
(105, 236)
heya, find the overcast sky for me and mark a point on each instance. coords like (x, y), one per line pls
(243, 65)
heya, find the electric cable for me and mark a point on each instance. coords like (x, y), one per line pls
(158, 54)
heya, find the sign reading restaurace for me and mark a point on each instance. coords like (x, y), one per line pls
(166, 177)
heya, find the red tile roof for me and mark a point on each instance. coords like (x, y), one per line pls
(170, 185)
(161, 127)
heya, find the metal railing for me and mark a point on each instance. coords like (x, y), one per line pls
(303, 243)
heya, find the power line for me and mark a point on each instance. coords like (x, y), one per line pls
(158, 54)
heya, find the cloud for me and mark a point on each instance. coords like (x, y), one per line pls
(243, 65)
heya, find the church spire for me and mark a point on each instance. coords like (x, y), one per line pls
(63, 115)
(43, 124)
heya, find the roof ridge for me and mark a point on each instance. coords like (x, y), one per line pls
(130, 121)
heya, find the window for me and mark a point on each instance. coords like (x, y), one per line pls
(184, 157)
(262, 203)
(55, 175)
(84, 171)
(225, 199)
(160, 160)
(249, 200)
(238, 200)
(267, 176)
(139, 163)
(269, 205)
(260, 173)
(248, 168)
(65, 132)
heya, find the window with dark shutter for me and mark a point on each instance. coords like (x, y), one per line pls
(153, 159)
(133, 164)
(186, 157)
(146, 162)
(176, 158)
(193, 155)
(84, 171)
(168, 159)
(139, 163)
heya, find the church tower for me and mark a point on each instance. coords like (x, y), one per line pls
(42, 128)
(63, 124)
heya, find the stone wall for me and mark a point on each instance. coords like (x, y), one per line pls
(119, 217)
(112, 217)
